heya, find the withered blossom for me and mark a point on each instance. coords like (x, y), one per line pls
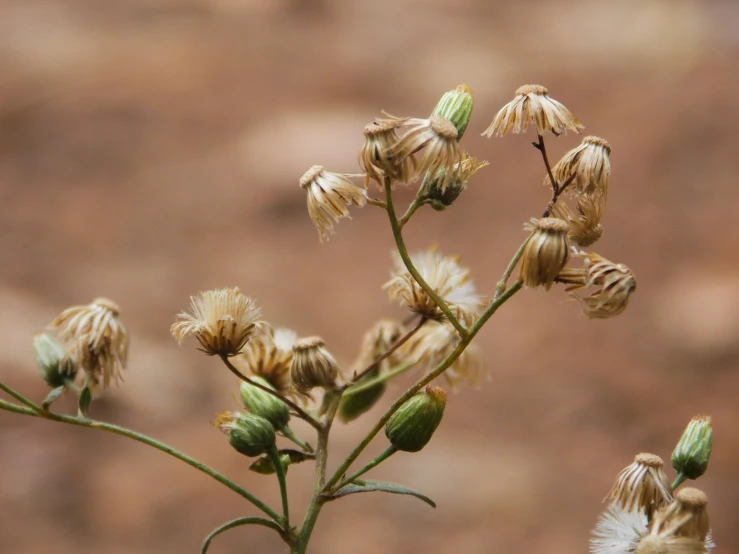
(614, 284)
(374, 156)
(686, 515)
(313, 365)
(96, 340)
(438, 138)
(533, 105)
(222, 320)
(545, 253)
(376, 341)
(446, 191)
(590, 163)
(268, 356)
(585, 227)
(445, 276)
(642, 486)
(328, 195)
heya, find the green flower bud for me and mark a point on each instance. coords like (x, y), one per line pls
(691, 454)
(50, 357)
(456, 106)
(249, 434)
(354, 405)
(443, 192)
(262, 403)
(411, 427)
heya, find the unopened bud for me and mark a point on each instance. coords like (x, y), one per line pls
(312, 365)
(413, 425)
(260, 402)
(249, 434)
(55, 368)
(692, 452)
(354, 405)
(456, 106)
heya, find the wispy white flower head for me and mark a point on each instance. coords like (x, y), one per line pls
(618, 531)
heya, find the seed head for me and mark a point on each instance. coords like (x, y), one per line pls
(268, 356)
(313, 365)
(590, 163)
(618, 531)
(96, 340)
(532, 104)
(329, 194)
(642, 486)
(445, 276)
(223, 321)
(546, 252)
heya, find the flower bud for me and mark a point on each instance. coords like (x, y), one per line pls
(456, 106)
(264, 404)
(442, 192)
(249, 434)
(55, 368)
(546, 252)
(354, 405)
(312, 365)
(691, 454)
(411, 427)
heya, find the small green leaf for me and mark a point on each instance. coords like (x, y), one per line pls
(288, 457)
(369, 486)
(51, 397)
(236, 523)
(84, 400)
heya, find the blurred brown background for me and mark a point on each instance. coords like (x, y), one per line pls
(150, 149)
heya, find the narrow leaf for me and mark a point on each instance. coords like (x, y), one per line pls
(51, 397)
(84, 400)
(382, 486)
(236, 523)
(265, 466)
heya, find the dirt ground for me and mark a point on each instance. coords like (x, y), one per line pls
(150, 149)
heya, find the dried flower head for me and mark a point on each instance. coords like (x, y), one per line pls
(431, 345)
(656, 544)
(546, 252)
(376, 341)
(438, 137)
(96, 339)
(686, 516)
(446, 191)
(590, 163)
(268, 356)
(642, 486)
(445, 276)
(222, 320)
(329, 194)
(585, 227)
(618, 531)
(374, 156)
(614, 282)
(533, 104)
(313, 365)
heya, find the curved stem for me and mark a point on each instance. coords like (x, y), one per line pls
(20, 398)
(291, 436)
(110, 428)
(389, 451)
(417, 203)
(403, 251)
(364, 385)
(679, 480)
(397, 344)
(302, 414)
(238, 522)
(375, 202)
(280, 472)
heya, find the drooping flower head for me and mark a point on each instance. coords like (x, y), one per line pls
(642, 486)
(533, 105)
(222, 320)
(590, 163)
(445, 276)
(374, 157)
(545, 253)
(268, 356)
(585, 228)
(96, 340)
(313, 365)
(445, 191)
(328, 195)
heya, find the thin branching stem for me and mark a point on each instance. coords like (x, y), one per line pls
(110, 428)
(274, 456)
(300, 412)
(356, 388)
(403, 251)
(20, 398)
(500, 287)
(418, 201)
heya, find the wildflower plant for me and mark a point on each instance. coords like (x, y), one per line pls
(283, 376)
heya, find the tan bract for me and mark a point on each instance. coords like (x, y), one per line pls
(96, 339)
(642, 486)
(445, 276)
(432, 343)
(222, 320)
(268, 355)
(655, 544)
(614, 282)
(313, 365)
(374, 156)
(438, 139)
(328, 196)
(532, 104)
(590, 163)
(585, 228)
(545, 253)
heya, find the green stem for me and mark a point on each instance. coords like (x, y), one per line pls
(302, 414)
(377, 461)
(364, 385)
(291, 436)
(403, 251)
(375, 202)
(679, 481)
(417, 203)
(20, 398)
(500, 287)
(110, 428)
(280, 472)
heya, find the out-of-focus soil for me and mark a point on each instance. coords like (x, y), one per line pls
(151, 149)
